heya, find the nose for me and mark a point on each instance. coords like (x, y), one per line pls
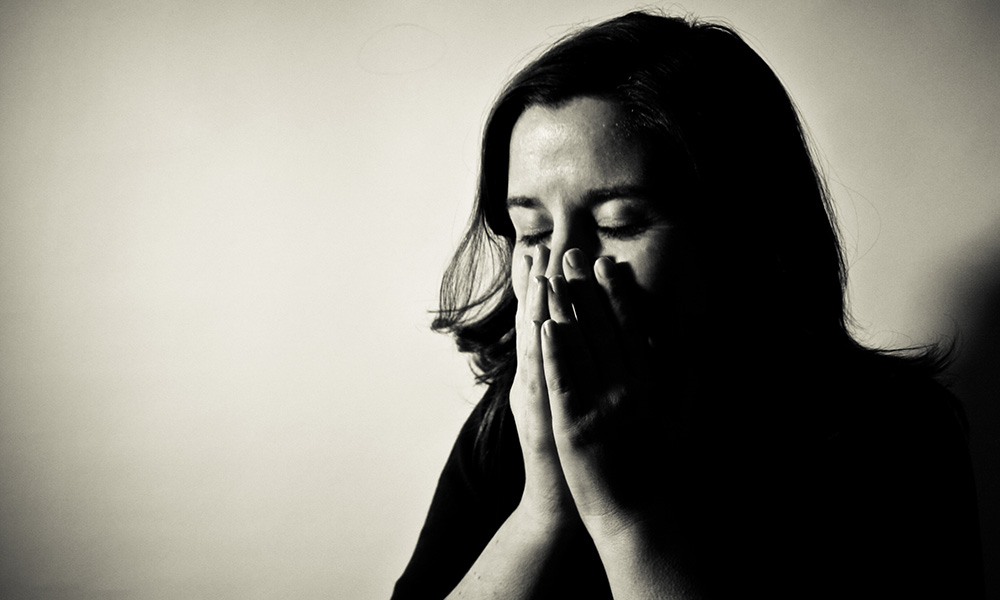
(572, 233)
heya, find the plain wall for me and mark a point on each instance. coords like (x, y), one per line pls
(223, 224)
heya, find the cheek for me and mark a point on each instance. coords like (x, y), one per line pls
(649, 276)
(652, 267)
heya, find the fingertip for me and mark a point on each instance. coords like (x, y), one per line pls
(533, 341)
(556, 334)
(604, 268)
(548, 329)
(520, 276)
(541, 257)
(542, 282)
(550, 339)
(574, 262)
(557, 285)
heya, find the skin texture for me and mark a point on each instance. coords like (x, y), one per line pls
(560, 160)
(592, 243)
(578, 188)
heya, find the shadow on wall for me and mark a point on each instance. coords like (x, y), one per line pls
(977, 383)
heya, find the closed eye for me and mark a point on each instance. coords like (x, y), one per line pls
(615, 232)
(622, 232)
(533, 239)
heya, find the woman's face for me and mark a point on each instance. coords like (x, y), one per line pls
(577, 180)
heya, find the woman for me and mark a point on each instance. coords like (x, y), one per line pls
(652, 288)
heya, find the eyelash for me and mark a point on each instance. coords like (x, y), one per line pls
(615, 233)
(532, 239)
(622, 232)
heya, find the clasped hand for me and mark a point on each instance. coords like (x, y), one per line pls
(581, 395)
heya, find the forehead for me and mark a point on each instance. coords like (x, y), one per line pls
(579, 143)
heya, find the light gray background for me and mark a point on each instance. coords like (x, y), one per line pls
(223, 223)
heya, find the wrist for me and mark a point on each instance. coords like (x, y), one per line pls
(541, 524)
(646, 558)
(617, 526)
(633, 531)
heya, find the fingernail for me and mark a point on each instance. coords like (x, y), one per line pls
(574, 258)
(527, 260)
(605, 268)
(552, 284)
(547, 328)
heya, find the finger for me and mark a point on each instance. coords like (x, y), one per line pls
(541, 261)
(529, 379)
(519, 279)
(590, 307)
(528, 398)
(538, 424)
(531, 265)
(560, 306)
(538, 287)
(622, 299)
(539, 309)
(581, 284)
(565, 364)
(555, 361)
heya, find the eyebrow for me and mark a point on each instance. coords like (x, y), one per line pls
(592, 197)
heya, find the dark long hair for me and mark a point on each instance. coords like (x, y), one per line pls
(725, 131)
